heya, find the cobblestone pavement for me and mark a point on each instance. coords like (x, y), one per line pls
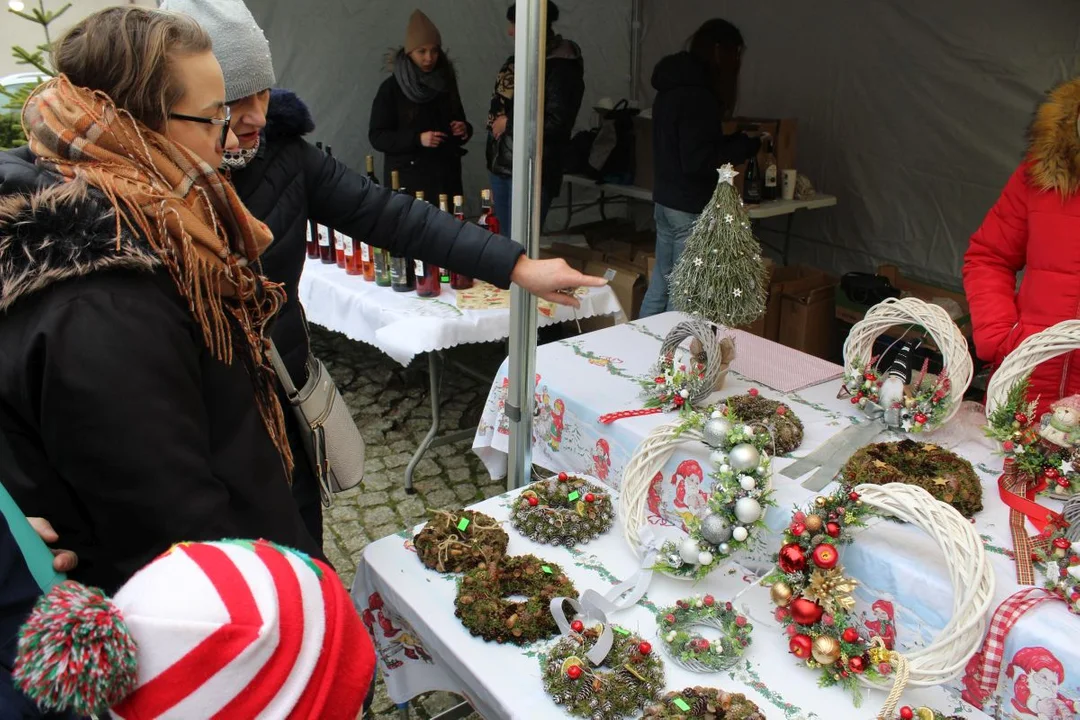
(391, 407)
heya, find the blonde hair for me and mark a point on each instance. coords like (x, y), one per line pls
(126, 52)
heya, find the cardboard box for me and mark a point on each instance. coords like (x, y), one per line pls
(807, 313)
(628, 284)
(758, 326)
(576, 253)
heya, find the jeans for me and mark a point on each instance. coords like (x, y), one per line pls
(672, 229)
(502, 188)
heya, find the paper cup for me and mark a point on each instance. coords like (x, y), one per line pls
(788, 184)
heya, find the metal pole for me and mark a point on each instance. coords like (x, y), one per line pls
(530, 52)
(635, 47)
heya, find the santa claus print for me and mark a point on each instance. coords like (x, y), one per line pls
(690, 499)
(602, 459)
(1038, 677)
(883, 624)
(655, 501)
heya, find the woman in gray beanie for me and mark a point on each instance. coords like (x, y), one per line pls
(284, 181)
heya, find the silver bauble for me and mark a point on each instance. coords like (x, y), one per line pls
(747, 510)
(744, 456)
(716, 431)
(715, 529)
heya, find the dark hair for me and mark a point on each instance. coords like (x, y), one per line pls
(723, 67)
(126, 53)
(552, 13)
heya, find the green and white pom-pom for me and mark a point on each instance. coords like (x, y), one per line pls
(75, 653)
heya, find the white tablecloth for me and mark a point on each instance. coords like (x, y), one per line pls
(404, 325)
(585, 377)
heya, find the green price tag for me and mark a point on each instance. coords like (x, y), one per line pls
(621, 631)
(682, 704)
(546, 569)
(463, 524)
(574, 496)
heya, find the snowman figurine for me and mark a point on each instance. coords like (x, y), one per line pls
(1062, 428)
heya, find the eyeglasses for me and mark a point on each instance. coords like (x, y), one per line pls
(223, 122)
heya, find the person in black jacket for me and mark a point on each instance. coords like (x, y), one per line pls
(564, 87)
(417, 119)
(696, 91)
(285, 181)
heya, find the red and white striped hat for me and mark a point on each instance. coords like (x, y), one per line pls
(233, 629)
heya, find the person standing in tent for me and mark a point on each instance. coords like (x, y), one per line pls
(696, 90)
(564, 87)
(1032, 228)
(417, 119)
(285, 181)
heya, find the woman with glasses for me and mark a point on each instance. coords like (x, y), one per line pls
(137, 402)
(696, 90)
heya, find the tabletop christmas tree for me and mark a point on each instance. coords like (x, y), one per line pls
(721, 275)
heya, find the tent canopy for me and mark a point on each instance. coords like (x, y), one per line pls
(912, 114)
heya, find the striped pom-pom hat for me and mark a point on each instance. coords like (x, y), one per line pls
(233, 629)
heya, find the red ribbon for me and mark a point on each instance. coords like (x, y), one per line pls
(612, 417)
(1019, 495)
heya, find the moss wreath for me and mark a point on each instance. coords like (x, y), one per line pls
(482, 606)
(562, 510)
(783, 423)
(694, 652)
(635, 677)
(945, 475)
(458, 541)
(701, 702)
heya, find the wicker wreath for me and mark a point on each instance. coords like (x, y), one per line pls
(459, 541)
(706, 703)
(945, 475)
(672, 385)
(635, 677)
(482, 606)
(1011, 417)
(562, 510)
(933, 400)
(742, 470)
(814, 597)
(785, 426)
(693, 652)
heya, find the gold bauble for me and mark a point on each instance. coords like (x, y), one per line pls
(826, 650)
(813, 523)
(819, 501)
(780, 594)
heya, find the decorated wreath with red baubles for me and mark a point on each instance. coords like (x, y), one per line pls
(814, 598)
(1061, 564)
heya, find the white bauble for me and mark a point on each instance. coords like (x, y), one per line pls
(684, 394)
(689, 551)
(1075, 571)
(747, 483)
(744, 456)
(725, 468)
(725, 548)
(671, 636)
(716, 415)
(705, 558)
(748, 510)
(717, 458)
(740, 533)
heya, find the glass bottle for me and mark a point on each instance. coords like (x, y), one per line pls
(771, 181)
(312, 240)
(366, 252)
(488, 219)
(457, 280)
(381, 257)
(444, 205)
(402, 269)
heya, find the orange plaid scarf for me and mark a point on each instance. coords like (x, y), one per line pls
(186, 210)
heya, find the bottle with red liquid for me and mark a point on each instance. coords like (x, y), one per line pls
(353, 265)
(312, 240)
(366, 252)
(427, 279)
(444, 205)
(327, 252)
(457, 280)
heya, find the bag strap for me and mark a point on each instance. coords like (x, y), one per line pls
(35, 552)
(283, 373)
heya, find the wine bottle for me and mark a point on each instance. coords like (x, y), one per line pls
(366, 259)
(381, 257)
(369, 162)
(752, 182)
(488, 218)
(402, 270)
(312, 240)
(771, 188)
(444, 205)
(457, 280)
(428, 277)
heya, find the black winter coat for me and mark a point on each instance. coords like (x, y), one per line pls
(395, 128)
(688, 139)
(564, 88)
(116, 422)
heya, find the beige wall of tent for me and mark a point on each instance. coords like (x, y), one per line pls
(911, 112)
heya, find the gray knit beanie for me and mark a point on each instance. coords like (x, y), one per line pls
(240, 46)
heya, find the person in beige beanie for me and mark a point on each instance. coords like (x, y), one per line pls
(417, 119)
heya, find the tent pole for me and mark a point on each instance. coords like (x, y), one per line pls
(530, 52)
(635, 47)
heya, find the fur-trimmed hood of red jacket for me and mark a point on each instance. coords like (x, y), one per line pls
(1054, 141)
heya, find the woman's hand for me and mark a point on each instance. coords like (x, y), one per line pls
(459, 129)
(63, 560)
(549, 279)
(432, 138)
(498, 127)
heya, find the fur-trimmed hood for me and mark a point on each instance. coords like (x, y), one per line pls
(287, 116)
(60, 232)
(1054, 141)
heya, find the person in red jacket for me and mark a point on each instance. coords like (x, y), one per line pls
(1034, 227)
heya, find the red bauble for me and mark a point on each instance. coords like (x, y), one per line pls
(797, 528)
(850, 635)
(792, 558)
(906, 713)
(752, 392)
(1051, 472)
(678, 400)
(670, 619)
(533, 501)
(832, 530)
(573, 672)
(857, 665)
(800, 646)
(1061, 543)
(869, 376)
(825, 556)
(855, 399)
(1021, 418)
(805, 612)
(920, 419)
(563, 477)
(589, 497)
(1008, 445)
(853, 496)
(781, 410)
(644, 648)
(709, 600)
(659, 381)
(577, 626)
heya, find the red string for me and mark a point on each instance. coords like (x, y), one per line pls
(612, 417)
